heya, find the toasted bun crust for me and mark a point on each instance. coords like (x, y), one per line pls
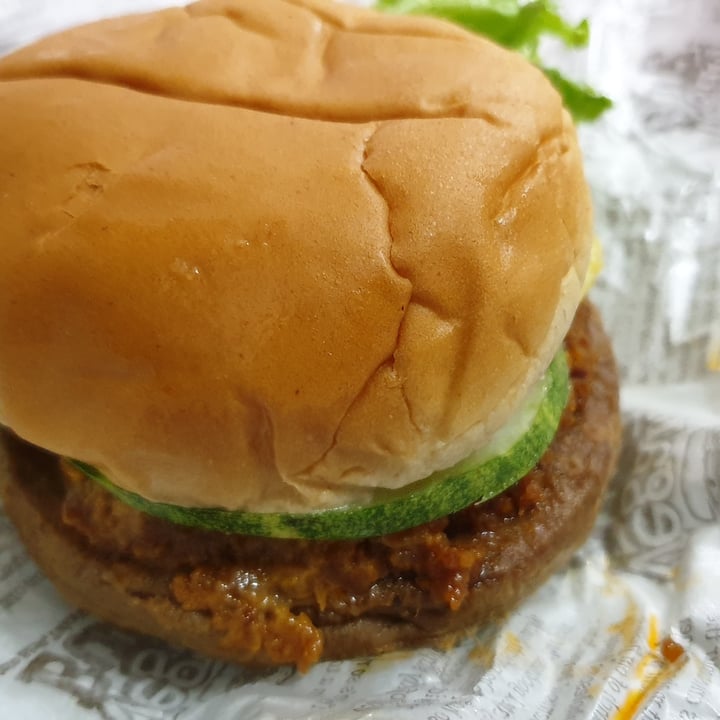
(268, 255)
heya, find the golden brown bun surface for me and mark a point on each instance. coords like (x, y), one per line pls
(268, 254)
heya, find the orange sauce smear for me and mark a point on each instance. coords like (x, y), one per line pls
(664, 653)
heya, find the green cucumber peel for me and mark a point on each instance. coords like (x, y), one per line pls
(518, 26)
(438, 495)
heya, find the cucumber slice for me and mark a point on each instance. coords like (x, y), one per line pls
(474, 479)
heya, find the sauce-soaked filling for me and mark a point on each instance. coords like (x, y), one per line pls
(273, 597)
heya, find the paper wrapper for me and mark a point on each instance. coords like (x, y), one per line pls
(632, 627)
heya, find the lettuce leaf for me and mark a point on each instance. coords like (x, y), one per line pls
(519, 27)
(583, 102)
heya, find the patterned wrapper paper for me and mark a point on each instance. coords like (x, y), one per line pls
(632, 627)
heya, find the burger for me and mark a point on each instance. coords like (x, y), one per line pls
(295, 356)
